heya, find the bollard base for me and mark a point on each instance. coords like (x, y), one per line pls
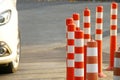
(109, 68)
(101, 75)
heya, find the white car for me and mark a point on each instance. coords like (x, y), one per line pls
(9, 36)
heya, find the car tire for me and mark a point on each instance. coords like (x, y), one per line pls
(13, 66)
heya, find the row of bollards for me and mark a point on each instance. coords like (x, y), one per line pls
(84, 55)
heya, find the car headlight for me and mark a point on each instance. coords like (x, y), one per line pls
(5, 17)
(4, 49)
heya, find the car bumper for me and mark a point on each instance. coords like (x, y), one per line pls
(7, 59)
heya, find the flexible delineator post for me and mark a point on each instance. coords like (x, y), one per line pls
(68, 21)
(79, 55)
(87, 34)
(98, 38)
(113, 34)
(70, 52)
(76, 18)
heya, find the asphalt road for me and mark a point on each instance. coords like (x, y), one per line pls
(42, 26)
(44, 23)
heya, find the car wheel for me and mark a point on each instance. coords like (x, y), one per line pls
(13, 66)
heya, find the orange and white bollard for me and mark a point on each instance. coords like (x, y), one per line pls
(70, 52)
(98, 38)
(68, 21)
(79, 55)
(87, 35)
(92, 60)
(116, 74)
(113, 34)
(76, 18)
